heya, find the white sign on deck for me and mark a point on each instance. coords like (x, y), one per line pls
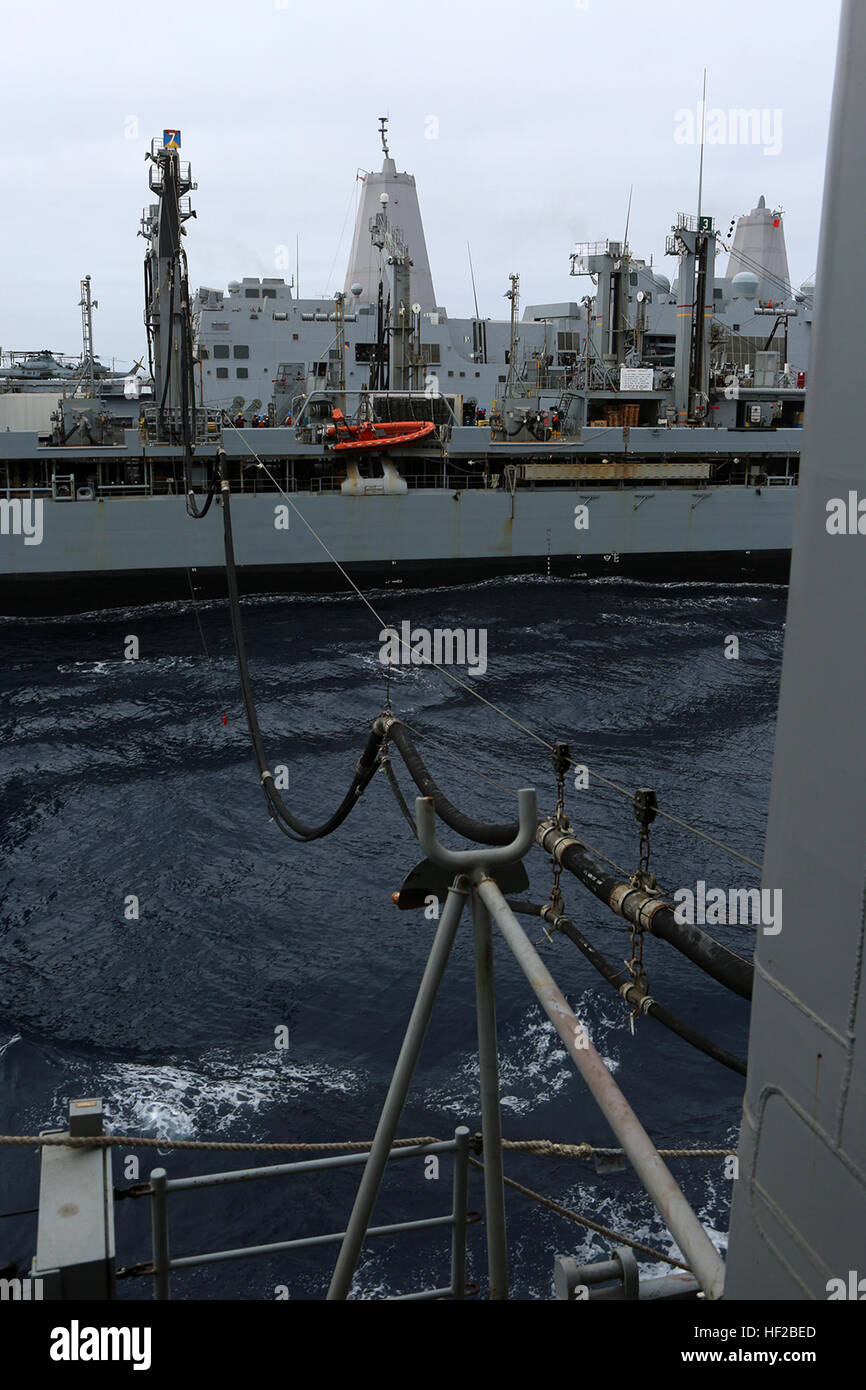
(635, 378)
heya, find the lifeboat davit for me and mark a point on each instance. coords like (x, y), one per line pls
(373, 434)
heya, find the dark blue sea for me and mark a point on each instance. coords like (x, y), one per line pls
(135, 778)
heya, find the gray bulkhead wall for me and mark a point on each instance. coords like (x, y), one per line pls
(799, 1204)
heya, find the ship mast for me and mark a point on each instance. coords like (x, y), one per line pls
(691, 239)
(87, 306)
(389, 240)
(167, 299)
(514, 296)
(340, 316)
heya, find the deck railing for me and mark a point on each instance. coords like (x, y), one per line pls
(164, 1264)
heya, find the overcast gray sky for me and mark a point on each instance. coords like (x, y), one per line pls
(523, 121)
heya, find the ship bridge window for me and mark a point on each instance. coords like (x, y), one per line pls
(241, 350)
(251, 294)
(203, 354)
(268, 293)
(632, 277)
(222, 372)
(717, 293)
(430, 354)
(568, 342)
(242, 372)
(221, 350)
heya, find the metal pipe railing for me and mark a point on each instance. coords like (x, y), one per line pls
(401, 1080)
(460, 1194)
(159, 1226)
(702, 1256)
(310, 1165)
(491, 1116)
(456, 1219)
(243, 1252)
(425, 1296)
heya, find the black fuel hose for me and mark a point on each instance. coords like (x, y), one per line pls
(187, 389)
(723, 965)
(290, 824)
(471, 829)
(615, 978)
(716, 960)
(167, 368)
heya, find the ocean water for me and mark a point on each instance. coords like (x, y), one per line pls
(122, 779)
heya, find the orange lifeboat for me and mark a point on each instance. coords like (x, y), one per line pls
(371, 434)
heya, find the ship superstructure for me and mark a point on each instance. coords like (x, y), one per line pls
(260, 331)
(653, 428)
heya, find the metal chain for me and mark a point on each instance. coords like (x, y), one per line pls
(645, 806)
(644, 848)
(561, 762)
(636, 969)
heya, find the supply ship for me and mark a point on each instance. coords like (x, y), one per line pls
(799, 1191)
(650, 429)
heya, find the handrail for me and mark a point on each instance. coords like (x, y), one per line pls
(161, 1185)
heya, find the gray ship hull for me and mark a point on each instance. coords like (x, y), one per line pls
(113, 551)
